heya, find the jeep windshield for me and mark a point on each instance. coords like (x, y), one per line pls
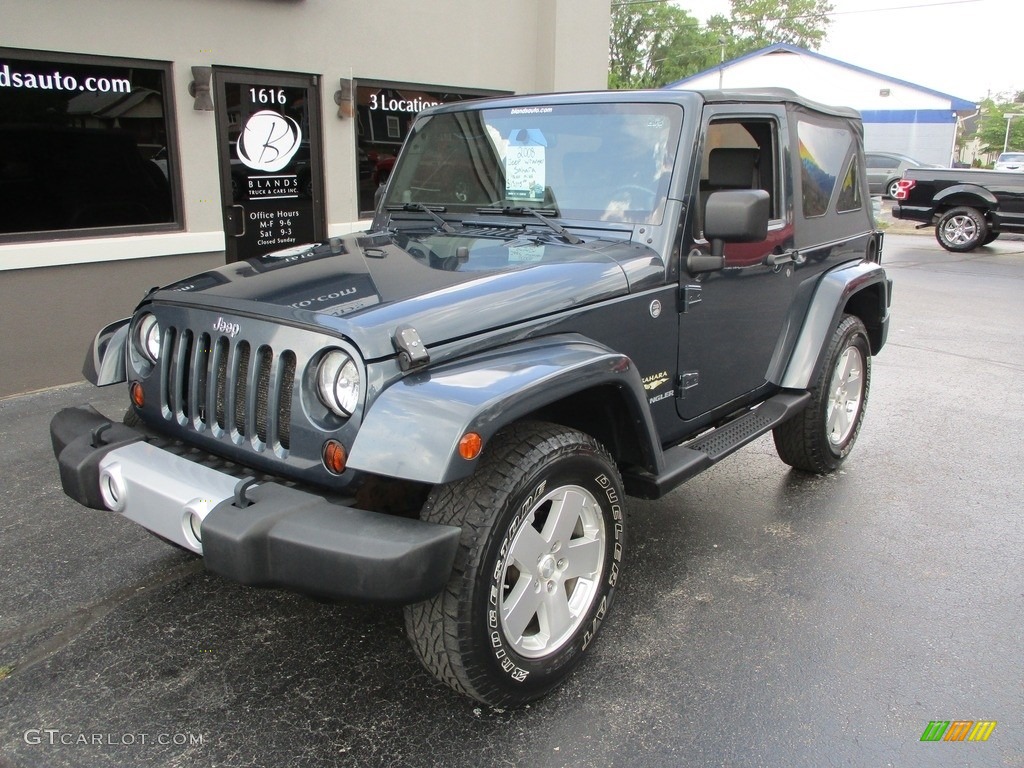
(607, 162)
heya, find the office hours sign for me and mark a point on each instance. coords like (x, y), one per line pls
(270, 166)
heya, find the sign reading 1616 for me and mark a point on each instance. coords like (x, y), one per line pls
(267, 96)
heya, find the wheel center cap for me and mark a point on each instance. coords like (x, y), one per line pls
(547, 567)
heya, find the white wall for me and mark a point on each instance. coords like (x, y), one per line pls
(925, 142)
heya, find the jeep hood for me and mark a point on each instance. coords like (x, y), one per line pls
(446, 286)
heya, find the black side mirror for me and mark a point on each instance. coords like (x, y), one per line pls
(736, 216)
(731, 216)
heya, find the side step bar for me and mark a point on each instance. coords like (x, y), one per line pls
(684, 461)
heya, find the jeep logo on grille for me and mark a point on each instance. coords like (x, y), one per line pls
(231, 329)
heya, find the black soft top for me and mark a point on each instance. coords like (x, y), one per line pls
(663, 95)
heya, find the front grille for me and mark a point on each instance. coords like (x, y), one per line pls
(230, 389)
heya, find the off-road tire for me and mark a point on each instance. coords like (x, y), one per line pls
(819, 438)
(961, 229)
(467, 636)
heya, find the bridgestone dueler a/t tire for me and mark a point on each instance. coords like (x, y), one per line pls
(821, 436)
(535, 573)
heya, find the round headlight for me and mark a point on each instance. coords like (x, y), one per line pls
(337, 382)
(147, 338)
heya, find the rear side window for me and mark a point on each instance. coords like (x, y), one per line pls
(850, 192)
(823, 150)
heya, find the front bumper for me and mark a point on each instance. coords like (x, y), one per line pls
(266, 534)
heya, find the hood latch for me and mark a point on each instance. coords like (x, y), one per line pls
(411, 352)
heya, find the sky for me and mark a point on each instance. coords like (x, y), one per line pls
(964, 48)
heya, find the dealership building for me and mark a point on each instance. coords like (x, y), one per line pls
(142, 141)
(898, 116)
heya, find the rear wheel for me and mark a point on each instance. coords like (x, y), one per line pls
(892, 187)
(535, 573)
(821, 436)
(961, 229)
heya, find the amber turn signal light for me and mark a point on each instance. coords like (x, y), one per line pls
(137, 395)
(470, 446)
(335, 457)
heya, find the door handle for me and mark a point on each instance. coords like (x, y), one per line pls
(237, 219)
(785, 257)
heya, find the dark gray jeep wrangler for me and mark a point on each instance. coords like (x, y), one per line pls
(563, 300)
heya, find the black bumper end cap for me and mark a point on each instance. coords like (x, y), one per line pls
(298, 540)
(81, 437)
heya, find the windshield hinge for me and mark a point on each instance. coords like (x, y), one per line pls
(690, 295)
(687, 380)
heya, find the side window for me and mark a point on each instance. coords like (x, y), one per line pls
(822, 152)
(739, 154)
(850, 193)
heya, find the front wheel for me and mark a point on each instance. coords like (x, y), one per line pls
(821, 436)
(535, 573)
(961, 229)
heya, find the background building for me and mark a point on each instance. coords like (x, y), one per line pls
(142, 141)
(898, 116)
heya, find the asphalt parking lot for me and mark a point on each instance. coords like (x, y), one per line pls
(766, 618)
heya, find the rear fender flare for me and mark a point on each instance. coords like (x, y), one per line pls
(830, 300)
(412, 430)
(967, 194)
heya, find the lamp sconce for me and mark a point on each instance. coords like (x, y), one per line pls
(200, 89)
(343, 98)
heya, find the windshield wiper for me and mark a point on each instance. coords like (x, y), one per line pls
(538, 213)
(427, 210)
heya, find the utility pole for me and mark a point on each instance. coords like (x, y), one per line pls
(721, 62)
(1009, 119)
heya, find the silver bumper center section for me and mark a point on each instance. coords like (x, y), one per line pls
(163, 493)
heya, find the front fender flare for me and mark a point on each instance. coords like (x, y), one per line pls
(412, 430)
(106, 361)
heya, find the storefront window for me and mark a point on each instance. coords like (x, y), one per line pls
(85, 146)
(385, 113)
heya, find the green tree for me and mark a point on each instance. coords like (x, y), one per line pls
(653, 43)
(992, 129)
(759, 23)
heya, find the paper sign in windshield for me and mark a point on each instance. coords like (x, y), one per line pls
(524, 172)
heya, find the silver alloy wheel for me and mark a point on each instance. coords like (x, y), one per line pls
(960, 230)
(893, 188)
(845, 395)
(550, 577)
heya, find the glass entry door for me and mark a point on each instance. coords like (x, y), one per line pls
(271, 167)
